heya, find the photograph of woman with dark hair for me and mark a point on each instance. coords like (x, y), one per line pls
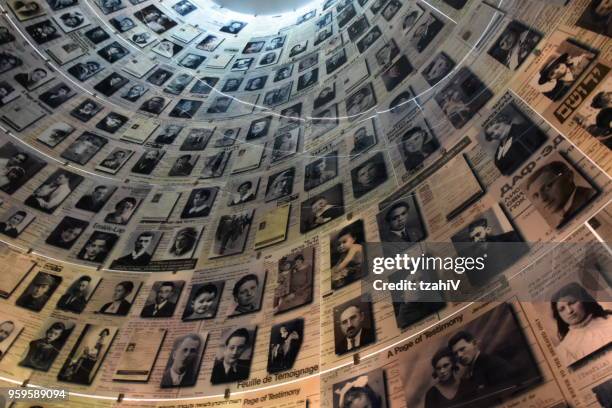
(443, 394)
(583, 325)
(558, 75)
(417, 144)
(358, 393)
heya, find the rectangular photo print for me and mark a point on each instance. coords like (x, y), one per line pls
(231, 234)
(47, 344)
(183, 365)
(294, 280)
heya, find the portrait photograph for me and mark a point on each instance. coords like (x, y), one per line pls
(438, 68)
(489, 233)
(210, 43)
(425, 32)
(67, 232)
(46, 345)
(353, 325)
(256, 83)
(122, 23)
(561, 69)
(15, 221)
(154, 105)
(401, 223)
(358, 27)
(26, 10)
(56, 95)
(96, 35)
(368, 388)
(86, 110)
(597, 17)
(97, 247)
(324, 121)
(226, 137)
(285, 144)
(462, 97)
(242, 64)
(115, 160)
(360, 101)
(243, 191)
(278, 96)
(183, 365)
(184, 242)
(576, 322)
(369, 39)
(345, 15)
(192, 61)
(416, 144)
(558, 191)
(95, 198)
(162, 299)
(167, 49)
(233, 27)
(183, 165)
(231, 234)
(369, 175)
(139, 355)
(155, 19)
(259, 128)
(247, 293)
(148, 161)
(515, 44)
(17, 167)
(291, 115)
(510, 138)
(53, 191)
(321, 208)
(43, 32)
(268, 58)
(326, 95)
(479, 364)
(199, 202)
(298, 48)
(396, 73)
(204, 300)
(112, 122)
(320, 171)
(234, 354)
(122, 211)
(280, 184)
(308, 61)
(84, 147)
(138, 250)
(110, 6)
(336, 60)
(214, 165)
(594, 113)
(39, 290)
(285, 343)
(55, 134)
(347, 255)
(361, 139)
(77, 295)
(294, 280)
(113, 52)
(71, 20)
(114, 297)
(111, 84)
(308, 79)
(87, 355)
(31, 80)
(283, 73)
(196, 139)
(386, 54)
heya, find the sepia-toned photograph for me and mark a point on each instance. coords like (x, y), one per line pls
(321, 208)
(295, 279)
(47, 344)
(368, 175)
(15, 221)
(347, 255)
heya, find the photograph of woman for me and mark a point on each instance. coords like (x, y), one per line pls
(443, 394)
(86, 357)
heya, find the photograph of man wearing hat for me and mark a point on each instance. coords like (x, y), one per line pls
(39, 291)
(558, 76)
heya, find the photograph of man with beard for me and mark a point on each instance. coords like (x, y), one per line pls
(353, 326)
(184, 362)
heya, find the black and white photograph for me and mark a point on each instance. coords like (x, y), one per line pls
(280, 184)
(178, 84)
(321, 208)
(386, 54)
(234, 354)
(167, 49)
(17, 167)
(26, 10)
(8, 62)
(183, 165)
(111, 84)
(233, 27)
(438, 68)
(204, 300)
(396, 73)
(416, 144)
(71, 20)
(214, 165)
(294, 280)
(558, 191)
(368, 389)
(283, 73)
(481, 363)
(231, 85)
(220, 104)
(291, 115)
(491, 234)
(247, 293)
(425, 32)
(368, 175)
(278, 96)
(285, 342)
(115, 298)
(324, 121)
(162, 299)
(462, 97)
(256, 83)
(154, 105)
(52, 193)
(561, 69)
(160, 76)
(199, 203)
(148, 161)
(401, 223)
(95, 198)
(285, 144)
(122, 211)
(242, 64)
(353, 325)
(110, 6)
(78, 294)
(87, 355)
(67, 232)
(97, 247)
(276, 43)
(43, 32)
(391, 9)
(57, 95)
(122, 23)
(510, 138)
(86, 110)
(196, 139)
(336, 60)
(308, 61)
(183, 242)
(115, 160)
(84, 147)
(226, 137)
(184, 7)
(325, 95)
(185, 109)
(113, 52)
(155, 19)
(358, 27)
(369, 39)
(268, 58)
(259, 128)
(231, 234)
(361, 139)
(138, 250)
(323, 35)
(47, 344)
(210, 43)
(183, 364)
(320, 171)
(39, 291)
(597, 17)
(192, 61)
(253, 47)
(96, 35)
(243, 191)
(15, 221)
(515, 44)
(31, 80)
(347, 255)
(298, 48)
(360, 101)
(55, 134)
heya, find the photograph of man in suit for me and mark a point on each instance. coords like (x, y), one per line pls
(230, 367)
(397, 228)
(11, 227)
(139, 255)
(119, 306)
(198, 204)
(6, 329)
(95, 200)
(163, 305)
(75, 298)
(354, 333)
(182, 367)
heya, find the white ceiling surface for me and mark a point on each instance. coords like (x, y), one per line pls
(263, 7)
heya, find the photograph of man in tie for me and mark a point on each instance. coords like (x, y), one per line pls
(401, 222)
(75, 298)
(162, 299)
(353, 326)
(184, 361)
(233, 361)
